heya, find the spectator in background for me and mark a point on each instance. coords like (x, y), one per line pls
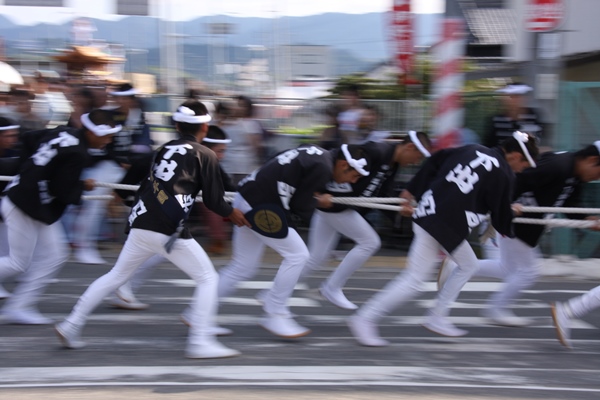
(515, 116)
(19, 109)
(246, 134)
(369, 122)
(83, 101)
(332, 136)
(129, 113)
(352, 109)
(467, 136)
(222, 114)
(60, 106)
(100, 94)
(40, 104)
(9, 137)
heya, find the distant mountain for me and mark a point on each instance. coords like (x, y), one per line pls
(365, 35)
(357, 41)
(6, 23)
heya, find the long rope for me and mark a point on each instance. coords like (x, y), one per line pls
(388, 203)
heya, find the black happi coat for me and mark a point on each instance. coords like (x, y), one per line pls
(49, 176)
(377, 183)
(290, 180)
(456, 188)
(182, 168)
(551, 184)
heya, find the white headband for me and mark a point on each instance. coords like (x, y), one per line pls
(515, 89)
(597, 144)
(98, 130)
(130, 92)
(9, 127)
(184, 114)
(415, 139)
(223, 141)
(523, 138)
(356, 164)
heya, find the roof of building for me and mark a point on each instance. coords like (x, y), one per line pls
(492, 25)
(489, 22)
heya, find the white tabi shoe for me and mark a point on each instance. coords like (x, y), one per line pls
(25, 317)
(504, 317)
(213, 330)
(213, 349)
(86, 255)
(69, 335)
(283, 326)
(126, 300)
(337, 298)
(135, 305)
(4, 294)
(562, 323)
(442, 326)
(365, 332)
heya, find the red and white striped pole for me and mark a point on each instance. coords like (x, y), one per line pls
(402, 37)
(448, 84)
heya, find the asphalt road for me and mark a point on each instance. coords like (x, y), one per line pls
(140, 353)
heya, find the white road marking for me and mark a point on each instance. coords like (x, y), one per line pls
(258, 285)
(544, 322)
(282, 376)
(247, 301)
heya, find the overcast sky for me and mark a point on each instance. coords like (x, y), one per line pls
(189, 9)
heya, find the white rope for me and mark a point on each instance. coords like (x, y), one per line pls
(118, 186)
(558, 223)
(388, 203)
(98, 197)
(564, 210)
(357, 201)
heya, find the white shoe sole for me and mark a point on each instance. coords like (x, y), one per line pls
(458, 333)
(232, 353)
(126, 305)
(217, 331)
(66, 342)
(559, 334)
(378, 342)
(509, 323)
(344, 306)
(295, 336)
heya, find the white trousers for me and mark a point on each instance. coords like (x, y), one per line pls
(581, 305)
(518, 266)
(325, 231)
(422, 260)
(89, 218)
(248, 248)
(140, 246)
(37, 249)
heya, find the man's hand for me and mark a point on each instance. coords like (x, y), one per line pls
(238, 218)
(594, 218)
(324, 200)
(89, 184)
(517, 209)
(408, 207)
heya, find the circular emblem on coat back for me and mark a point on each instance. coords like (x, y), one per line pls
(268, 221)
